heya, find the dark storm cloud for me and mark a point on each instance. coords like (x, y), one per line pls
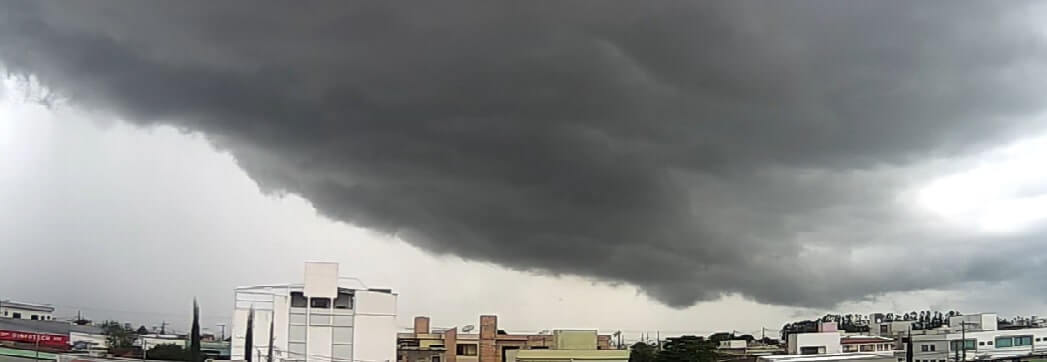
(692, 149)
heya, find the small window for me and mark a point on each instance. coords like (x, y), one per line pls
(322, 303)
(866, 348)
(436, 358)
(16, 315)
(932, 348)
(1004, 342)
(1037, 339)
(924, 348)
(1023, 341)
(34, 317)
(298, 300)
(989, 343)
(466, 350)
(981, 343)
(343, 301)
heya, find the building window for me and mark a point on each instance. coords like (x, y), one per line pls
(343, 301)
(322, 303)
(988, 342)
(466, 350)
(1023, 341)
(883, 329)
(810, 350)
(298, 300)
(968, 344)
(1037, 339)
(296, 333)
(932, 348)
(436, 358)
(866, 348)
(850, 348)
(1016, 341)
(34, 317)
(16, 315)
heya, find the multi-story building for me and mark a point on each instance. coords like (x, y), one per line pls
(325, 318)
(859, 343)
(825, 341)
(22, 310)
(490, 344)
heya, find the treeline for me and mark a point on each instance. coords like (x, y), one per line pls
(858, 323)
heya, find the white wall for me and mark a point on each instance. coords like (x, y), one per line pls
(24, 313)
(990, 336)
(829, 340)
(374, 333)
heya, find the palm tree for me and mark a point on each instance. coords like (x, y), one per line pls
(249, 337)
(194, 335)
(269, 354)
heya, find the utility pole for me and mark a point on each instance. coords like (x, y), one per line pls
(963, 339)
(222, 327)
(163, 324)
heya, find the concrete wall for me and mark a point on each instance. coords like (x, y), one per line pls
(829, 340)
(374, 337)
(10, 311)
(570, 339)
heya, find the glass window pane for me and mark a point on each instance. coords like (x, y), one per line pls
(1023, 341)
(343, 320)
(343, 301)
(344, 352)
(297, 350)
(296, 333)
(343, 335)
(297, 318)
(298, 300)
(319, 320)
(1003, 342)
(322, 303)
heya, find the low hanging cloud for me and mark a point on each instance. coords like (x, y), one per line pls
(690, 149)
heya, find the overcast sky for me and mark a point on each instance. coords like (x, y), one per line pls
(682, 167)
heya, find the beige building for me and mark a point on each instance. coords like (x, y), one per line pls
(552, 355)
(489, 344)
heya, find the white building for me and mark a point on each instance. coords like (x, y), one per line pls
(21, 310)
(326, 318)
(974, 322)
(814, 343)
(825, 341)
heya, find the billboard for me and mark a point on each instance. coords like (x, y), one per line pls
(56, 340)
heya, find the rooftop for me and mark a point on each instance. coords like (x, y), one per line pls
(27, 306)
(49, 327)
(573, 354)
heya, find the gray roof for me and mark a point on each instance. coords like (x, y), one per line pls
(51, 327)
(27, 306)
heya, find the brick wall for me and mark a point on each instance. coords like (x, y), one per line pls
(451, 342)
(421, 325)
(488, 335)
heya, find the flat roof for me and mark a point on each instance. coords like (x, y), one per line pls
(27, 306)
(827, 357)
(584, 354)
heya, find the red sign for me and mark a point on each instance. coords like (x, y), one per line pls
(56, 340)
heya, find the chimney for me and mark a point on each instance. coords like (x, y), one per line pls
(421, 325)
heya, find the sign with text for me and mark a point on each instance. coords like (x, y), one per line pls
(29, 337)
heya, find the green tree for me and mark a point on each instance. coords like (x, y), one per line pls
(117, 335)
(194, 335)
(168, 352)
(642, 352)
(141, 330)
(687, 348)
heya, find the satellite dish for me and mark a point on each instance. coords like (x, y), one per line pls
(467, 328)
